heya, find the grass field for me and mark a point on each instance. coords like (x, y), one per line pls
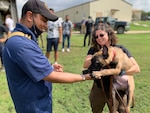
(140, 25)
(73, 98)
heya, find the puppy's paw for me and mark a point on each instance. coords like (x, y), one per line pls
(96, 74)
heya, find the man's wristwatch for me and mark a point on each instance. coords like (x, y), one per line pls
(83, 77)
(123, 72)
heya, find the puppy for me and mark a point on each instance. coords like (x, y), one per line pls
(115, 55)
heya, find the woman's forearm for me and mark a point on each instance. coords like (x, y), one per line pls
(87, 61)
(134, 69)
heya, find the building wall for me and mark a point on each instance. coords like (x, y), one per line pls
(116, 8)
(11, 8)
(125, 10)
(136, 15)
(76, 13)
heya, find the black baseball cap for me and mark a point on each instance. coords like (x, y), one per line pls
(40, 7)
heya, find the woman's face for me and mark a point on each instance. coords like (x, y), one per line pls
(102, 37)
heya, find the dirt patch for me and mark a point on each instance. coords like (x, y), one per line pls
(136, 32)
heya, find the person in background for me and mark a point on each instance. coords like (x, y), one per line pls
(89, 26)
(9, 22)
(103, 34)
(83, 30)
(29, 73)
(3, 36)
(67, 31)
(54, 37)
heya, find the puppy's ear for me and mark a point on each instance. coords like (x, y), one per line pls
(105, 52)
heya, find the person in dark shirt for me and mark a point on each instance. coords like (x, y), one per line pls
(103, 34)
(89, 26)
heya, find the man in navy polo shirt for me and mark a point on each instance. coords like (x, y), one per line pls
(29, 73)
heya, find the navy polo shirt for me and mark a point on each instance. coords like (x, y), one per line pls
(26, 66)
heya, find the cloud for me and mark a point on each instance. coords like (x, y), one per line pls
(20, 4)
(57, 5)
(140, 4)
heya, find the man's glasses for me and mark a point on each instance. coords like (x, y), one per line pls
(100, 35)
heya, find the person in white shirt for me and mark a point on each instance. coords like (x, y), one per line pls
(54, 36)
(9, 22)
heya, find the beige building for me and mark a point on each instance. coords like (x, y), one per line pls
(119, 9)
(136, 14)
(8, 6)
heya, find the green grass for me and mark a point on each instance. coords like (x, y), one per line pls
(140, 25)
(73, 98)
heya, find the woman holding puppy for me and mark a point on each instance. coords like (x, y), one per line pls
(103, 34)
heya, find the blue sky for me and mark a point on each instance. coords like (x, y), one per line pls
(58, 5)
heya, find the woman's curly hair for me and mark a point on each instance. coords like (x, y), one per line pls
(111, 35)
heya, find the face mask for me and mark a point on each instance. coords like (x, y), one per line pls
(36, 31)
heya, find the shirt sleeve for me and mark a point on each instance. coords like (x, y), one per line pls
(33, 62)
(71, 25)
(60, 22)
(125, 50)
(91, 51)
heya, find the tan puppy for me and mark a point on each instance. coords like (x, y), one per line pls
(110, 55)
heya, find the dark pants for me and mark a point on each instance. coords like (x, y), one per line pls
(85, 37)
(52, 42)
(98, 101)
(64, 39)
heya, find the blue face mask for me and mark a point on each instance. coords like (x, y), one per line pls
(36, 31)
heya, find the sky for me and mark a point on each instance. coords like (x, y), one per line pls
(63, 4)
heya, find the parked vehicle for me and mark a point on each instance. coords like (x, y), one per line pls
(77, 26)
(119, 26)
(144, 18)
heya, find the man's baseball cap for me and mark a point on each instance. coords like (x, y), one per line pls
(37, 6)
